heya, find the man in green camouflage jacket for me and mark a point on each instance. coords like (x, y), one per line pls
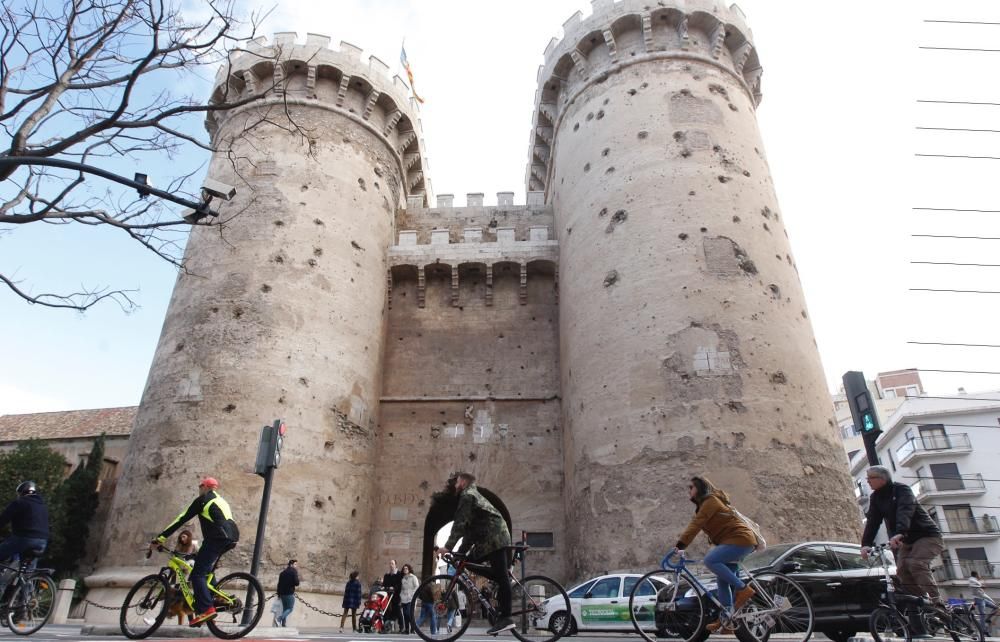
(483, 530)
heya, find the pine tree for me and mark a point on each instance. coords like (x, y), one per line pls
(76, 502)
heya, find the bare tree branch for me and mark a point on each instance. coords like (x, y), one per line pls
(97, 81)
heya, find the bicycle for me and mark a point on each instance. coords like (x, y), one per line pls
(540, 606)
(672, 602)
(898, 613)
(238, 599)
(29, 596)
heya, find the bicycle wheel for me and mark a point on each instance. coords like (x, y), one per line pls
(779, 606)
(31, 604)
(534, 601)
(145, 607)
(436, 617)
(887, 625)
(239, 601)
(964, 627)
(660, 606)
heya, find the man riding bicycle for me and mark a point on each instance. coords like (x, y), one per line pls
(483, 529)
(219, 533)
(913, 534)
(29, 520)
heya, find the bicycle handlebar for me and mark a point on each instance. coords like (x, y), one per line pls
(667, 566)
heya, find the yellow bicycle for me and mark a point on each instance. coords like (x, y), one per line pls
(238, 599)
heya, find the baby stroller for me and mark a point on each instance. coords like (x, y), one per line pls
(372, 618)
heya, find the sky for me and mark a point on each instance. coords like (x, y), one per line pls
(841, 121)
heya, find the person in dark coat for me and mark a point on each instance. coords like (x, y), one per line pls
(913, 534)
(28, 517)
(393, 580)
(288, 579)
(352, 600)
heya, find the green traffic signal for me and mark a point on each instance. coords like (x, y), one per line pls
(867, 422)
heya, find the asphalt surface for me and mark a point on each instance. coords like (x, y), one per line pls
(65, 632)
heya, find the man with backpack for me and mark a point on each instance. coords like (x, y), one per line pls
(220, 534)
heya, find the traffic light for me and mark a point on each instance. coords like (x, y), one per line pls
(867, 420)
(269, 448)
(863, 412)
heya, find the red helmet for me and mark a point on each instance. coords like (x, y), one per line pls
(210, 483)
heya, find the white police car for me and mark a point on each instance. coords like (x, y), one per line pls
(599, 604)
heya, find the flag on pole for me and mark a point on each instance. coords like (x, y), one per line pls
(409, 72)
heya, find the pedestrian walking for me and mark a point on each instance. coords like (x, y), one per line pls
(980, 599)
(427, 600)
(352, 600)
(288, 579)
(408, 590)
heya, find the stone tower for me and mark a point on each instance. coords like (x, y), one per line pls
(685, 345)
(282, 312)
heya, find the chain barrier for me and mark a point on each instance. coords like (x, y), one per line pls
(317, 609)
(101, 606)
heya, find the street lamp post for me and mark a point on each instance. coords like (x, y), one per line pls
(201, 209)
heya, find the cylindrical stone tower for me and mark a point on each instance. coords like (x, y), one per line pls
(281, 311)
(685, 343)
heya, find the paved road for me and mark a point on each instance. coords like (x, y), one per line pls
(63, 633)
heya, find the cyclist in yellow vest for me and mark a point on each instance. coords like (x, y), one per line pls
(219, 534)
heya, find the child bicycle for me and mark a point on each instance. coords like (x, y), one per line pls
(238, 599)
(899, 614)
(540, 606)
(682, 609)
(29, 596)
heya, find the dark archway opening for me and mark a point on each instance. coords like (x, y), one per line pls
(441, 512)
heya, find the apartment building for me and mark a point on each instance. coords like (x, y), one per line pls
(948, 449)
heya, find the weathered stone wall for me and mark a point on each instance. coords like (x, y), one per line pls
(281, 313)
(686, 345)
(470, 387)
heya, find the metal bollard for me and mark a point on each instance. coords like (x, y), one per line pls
(64, 598)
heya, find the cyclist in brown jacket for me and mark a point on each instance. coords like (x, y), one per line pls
(733, 541)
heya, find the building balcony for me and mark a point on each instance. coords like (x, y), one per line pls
(984, 527)
(927, 446)
(949, 487)
(962, 570)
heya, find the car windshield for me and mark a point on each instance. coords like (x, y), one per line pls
(760, 559)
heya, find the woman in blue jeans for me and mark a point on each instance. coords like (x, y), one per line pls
(733, 541)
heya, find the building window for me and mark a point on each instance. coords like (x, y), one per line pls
(912, 391)
(890, 393)
(540, 539)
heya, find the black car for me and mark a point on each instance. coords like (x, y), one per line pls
(844, 588)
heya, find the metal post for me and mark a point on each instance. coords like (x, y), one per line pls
(524, 589)
(258, 544)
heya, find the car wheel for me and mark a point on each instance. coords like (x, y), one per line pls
(558, 621)
(839, 635)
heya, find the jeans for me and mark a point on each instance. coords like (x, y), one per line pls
(13, 546)
(981, 609)
(288, 602)
(427, 611)
(204, 561)
(407, 616)
(722, 560)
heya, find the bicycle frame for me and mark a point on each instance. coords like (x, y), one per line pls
(178, 571)
(681, 569)
(462, 569)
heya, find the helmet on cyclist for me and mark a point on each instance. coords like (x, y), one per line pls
(210, 482)
(27, 488)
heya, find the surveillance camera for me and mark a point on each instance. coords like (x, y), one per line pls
(218, 190)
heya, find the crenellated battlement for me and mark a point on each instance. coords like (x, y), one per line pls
(621, 33)
(342, 80)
